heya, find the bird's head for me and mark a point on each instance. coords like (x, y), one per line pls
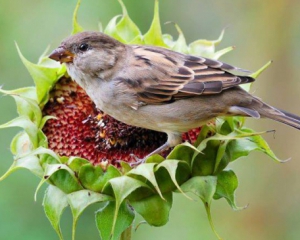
(88, 53)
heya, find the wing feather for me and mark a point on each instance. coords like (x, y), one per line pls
(161, 76)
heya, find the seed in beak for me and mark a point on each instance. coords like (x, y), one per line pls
(62, 55)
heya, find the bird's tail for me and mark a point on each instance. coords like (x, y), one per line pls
(259, 109)
(287, 118)
(280, 116)
(254, 107)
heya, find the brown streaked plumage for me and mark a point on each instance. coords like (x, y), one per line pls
(159, 89)
(172, 76)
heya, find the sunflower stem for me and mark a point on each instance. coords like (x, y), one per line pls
(207, 208)
(126, 235)
(74, 229)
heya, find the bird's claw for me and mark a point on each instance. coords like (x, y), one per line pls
(137, 160)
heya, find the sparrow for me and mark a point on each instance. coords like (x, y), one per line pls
(160, 89)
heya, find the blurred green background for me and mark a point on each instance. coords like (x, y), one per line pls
(261, 30)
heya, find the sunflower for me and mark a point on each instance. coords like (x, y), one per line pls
(84, 155)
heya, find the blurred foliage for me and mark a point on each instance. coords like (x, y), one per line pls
(261, 30)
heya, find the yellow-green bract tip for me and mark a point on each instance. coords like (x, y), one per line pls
(43, 77)
(259, 71)
(154, 34)
(76, 27)
(124, 10)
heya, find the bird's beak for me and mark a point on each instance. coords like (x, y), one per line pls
(62, 55)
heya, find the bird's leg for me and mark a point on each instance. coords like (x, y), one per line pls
(138, 161)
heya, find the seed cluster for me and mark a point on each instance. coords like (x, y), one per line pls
(68, 135)
(80, 129)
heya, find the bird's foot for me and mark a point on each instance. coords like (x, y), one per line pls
(137, 160)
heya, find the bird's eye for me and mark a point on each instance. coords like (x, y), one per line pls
(83, 47)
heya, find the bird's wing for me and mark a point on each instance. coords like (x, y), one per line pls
(161, 76)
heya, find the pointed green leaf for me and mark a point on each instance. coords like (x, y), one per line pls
(65, 180)
(28, 92)
(125, 167)
(154, 209)
(204, 133)
(156, 158)
(154, 34)
(164, 180)
(184, 152)
(64, 160)
(226, 125)
(255, 75)
(76, 27)
(93, 178)
(259, 71)
(216, 153)
(204, 47)
(180, 45)
(173, 167)
(44, 120)
(55, 201)
(168, 40)
(46, 159)
(137, 40)
(220, 122)
(146, 170)
(222, 52)
(43, 141)
(61, 71)
(220, 155)
(227, 183)
(61, 176)
(122, 187)
(75, 163)
(31, 163)
(203, 164)
(21, 145)
(126, 28)
(242, 147)
(45, 61)
(44, 55)
(89, 177)
(237, 134)
(25, 123)
(109, 227)
(28, 107)
(203, 187)
(42, 150)
(43, 77)
(111, 29)
(80, 200)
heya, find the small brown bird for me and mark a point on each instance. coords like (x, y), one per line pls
(159, 89)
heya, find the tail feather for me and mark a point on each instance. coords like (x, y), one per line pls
(282, 116)
(291, 115)
(256, 108)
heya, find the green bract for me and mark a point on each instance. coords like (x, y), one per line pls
(200, 169)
